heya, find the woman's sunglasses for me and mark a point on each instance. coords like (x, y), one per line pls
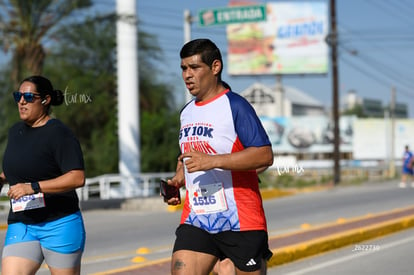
(28, 97)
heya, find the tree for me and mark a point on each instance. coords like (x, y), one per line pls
(8, 110)
(80, 60)
(356, 110)
(25, 25)
(83, 61)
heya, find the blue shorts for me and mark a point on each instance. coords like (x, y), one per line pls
(406, 170)
(65, 235)
(60, 243)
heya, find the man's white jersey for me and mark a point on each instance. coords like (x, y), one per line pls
(220, 200)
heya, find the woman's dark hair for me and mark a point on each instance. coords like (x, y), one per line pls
(206, 49)
(44, 87)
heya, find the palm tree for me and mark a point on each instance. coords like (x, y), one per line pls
(27, 25)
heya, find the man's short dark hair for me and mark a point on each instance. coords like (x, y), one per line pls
(205, 48)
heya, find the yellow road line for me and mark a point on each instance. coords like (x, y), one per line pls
(294, 252)
(291, 253)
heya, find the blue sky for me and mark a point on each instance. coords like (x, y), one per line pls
(378, 31)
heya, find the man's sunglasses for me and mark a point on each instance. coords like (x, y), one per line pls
(28, 97)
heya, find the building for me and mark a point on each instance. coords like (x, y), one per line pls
(373, 108)
(297, 124)
(282, 101)
(302, 132)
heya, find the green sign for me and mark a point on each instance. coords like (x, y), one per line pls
(232, 15)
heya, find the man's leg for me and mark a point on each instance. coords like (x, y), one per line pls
(403, 182)
(263, 269)
(187, 262)
(224, 267)
(248, 251)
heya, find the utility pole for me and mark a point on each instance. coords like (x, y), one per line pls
(280, 95)
(188, 19)
(334, 42)
(392, 115)
(127, 78)
(187, 25)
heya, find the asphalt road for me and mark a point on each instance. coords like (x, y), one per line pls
(117, 239)
(391, 254)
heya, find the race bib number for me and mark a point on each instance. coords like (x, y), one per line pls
(208, 199)
(28, 202)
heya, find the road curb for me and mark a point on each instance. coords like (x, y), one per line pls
(309, 248)
(289, 253)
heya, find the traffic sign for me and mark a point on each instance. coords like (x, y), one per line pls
(232, 15)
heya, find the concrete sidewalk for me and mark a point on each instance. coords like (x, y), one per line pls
(293, 246)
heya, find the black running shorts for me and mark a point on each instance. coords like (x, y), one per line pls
(245, 249)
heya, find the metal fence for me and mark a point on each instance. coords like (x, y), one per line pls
(115, 186)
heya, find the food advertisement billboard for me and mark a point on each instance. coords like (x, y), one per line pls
(290, 41)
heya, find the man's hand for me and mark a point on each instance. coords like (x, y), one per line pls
(197, 161)
(177, 181)
(250, 158)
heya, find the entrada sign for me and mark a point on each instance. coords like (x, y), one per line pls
(232, 15)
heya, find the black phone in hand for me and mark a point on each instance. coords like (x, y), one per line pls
(169, 191)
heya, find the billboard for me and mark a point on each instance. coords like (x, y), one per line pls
(373, 138)
(307, 134)
(290, 41)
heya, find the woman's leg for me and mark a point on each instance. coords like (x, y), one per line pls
(12, 265)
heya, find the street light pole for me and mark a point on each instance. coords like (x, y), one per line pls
(128, 91)
(334, 43)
